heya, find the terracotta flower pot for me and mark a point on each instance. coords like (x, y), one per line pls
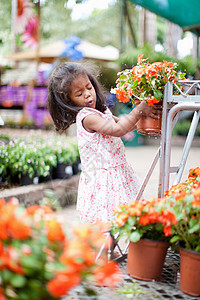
(146, 259)
(148, 125)
(190, 272)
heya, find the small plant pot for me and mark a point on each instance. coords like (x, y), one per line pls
(62, 171)
(26, 180)
(146, 259)
(48, 177)
(148, 125)
(76, 167)
(190, 272)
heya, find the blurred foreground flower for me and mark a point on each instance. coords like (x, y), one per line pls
(38, 261)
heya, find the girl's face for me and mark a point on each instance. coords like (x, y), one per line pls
(82, 92)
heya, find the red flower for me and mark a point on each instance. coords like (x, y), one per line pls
(167, 230)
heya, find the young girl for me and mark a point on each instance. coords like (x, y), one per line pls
(74, 95)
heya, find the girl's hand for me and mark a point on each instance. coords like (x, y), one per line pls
(145, 110)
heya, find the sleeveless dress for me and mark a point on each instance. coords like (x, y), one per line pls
(106, 179)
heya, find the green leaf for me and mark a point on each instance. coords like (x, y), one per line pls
(194, 228)
(143, 80)
(31, 262)
(135, 83)
(175, 239)
(135, 236)
(17, 280)
(6, 274)
(197, 249)
(131, 221)
(157, 94)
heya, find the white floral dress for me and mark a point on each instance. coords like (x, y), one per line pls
(106, 179)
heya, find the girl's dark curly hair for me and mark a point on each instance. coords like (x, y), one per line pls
(62, 110)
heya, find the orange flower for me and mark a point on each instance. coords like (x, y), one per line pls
(31, 210)
(140, 59)
(158, 65)
(122, 96)
(194, 172)
(7, 212)
(62, 283)
(19, 229)
(168, 64)
(2, 297)
(180, 195)
(148, 218)
(135, 210)
(54, 230)
(196, 201)
(121, 219)
(4, 230)
(168, 217)
(80, 252)
(10, 259)
(108, 274)
(151, 72)
(83, 231)
(1, 248)
(2, 203)
(151, 101)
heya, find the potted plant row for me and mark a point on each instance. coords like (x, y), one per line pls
(38, 261)
(67, 155)
(35, 159)
(152, 226)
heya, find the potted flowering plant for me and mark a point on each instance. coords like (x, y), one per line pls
(184, 201)
(148, 226)
(38, 261)
(146, 81)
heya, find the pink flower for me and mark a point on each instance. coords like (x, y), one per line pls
(30, 36)
(24, 13)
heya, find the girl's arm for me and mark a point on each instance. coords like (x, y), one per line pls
(118, 119)
(94, 123)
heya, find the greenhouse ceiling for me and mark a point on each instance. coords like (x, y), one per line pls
(185, 13)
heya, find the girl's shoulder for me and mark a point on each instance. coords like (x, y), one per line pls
(88, 111)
